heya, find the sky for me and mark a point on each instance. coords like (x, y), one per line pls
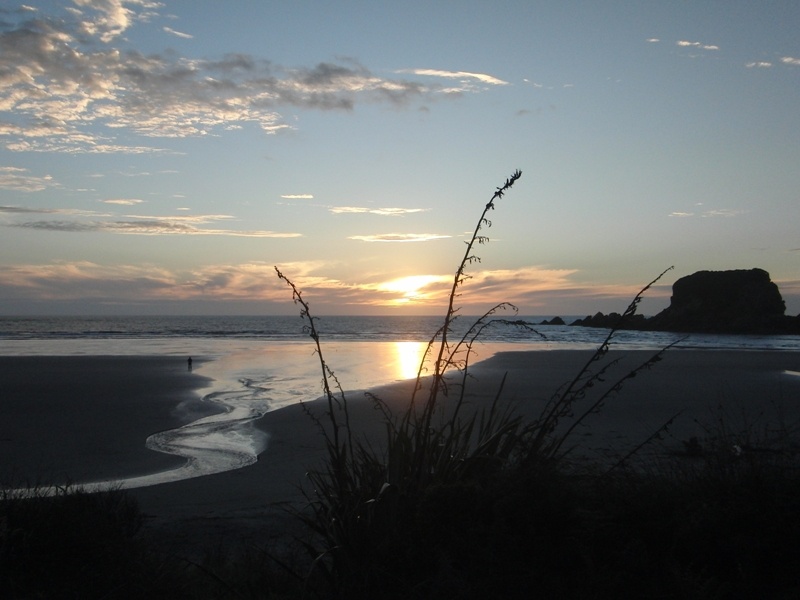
(163, 157)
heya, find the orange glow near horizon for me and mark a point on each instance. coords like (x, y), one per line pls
(410, 287)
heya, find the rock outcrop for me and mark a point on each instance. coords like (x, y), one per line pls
(738, 301)
(611, 320)
(553, 321)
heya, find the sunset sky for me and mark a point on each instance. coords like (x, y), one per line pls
(162, 157)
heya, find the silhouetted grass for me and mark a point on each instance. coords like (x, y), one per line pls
(475, 504)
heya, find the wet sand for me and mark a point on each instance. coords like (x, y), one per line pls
(250, 503)
(86, 418)
(122, 400)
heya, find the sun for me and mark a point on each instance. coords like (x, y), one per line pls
(410, 288)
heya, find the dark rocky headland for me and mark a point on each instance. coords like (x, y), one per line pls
(743, 301)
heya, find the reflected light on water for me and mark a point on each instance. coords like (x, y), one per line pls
(409, 355)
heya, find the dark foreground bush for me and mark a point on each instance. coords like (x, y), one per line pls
(685, 529)
(67, 543)
(70, 544)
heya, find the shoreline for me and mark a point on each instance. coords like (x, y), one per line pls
(86, 418)
(252, 500)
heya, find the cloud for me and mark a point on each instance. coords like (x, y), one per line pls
(685, 44)
(134, 224)
(179, 34)
(387, 212)
(123, 201)
(431, 290)
(298, 196)
(758, 65)
(788, 60)
(49, 211)
(66, 88)
(531, 287)
(522, 280)
(85, 280)
(15, 178)
(90, 281)
(410, 289)
(399, 237)
(146, 227)
(109, 18)
(23, 210)
(460, 75)
(722, 212)
(652, 40)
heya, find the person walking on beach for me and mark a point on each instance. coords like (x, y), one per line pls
(190, 363)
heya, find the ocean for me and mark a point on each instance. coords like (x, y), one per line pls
(177, 334)
(263, 363)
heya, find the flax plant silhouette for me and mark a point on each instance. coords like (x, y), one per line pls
(363, 508)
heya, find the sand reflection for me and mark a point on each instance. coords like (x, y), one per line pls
(408, 357)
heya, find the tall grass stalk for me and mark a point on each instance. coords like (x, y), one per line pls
(365, 502)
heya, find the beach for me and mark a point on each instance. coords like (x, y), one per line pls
(86, 418)
(79, 418)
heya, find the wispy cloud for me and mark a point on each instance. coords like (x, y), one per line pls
(15, 178)
(123, 201)
(721, 212)
(761, 64)
(146, 227)
(460, 75)
(399, 237)
(179, 34)
(789, 60)
(724, 212)
(386, 212)
(90, 221)
(652, 40)
(23, 210)
(529, 279)
(49, 211)
(700, 45)
(298, 196)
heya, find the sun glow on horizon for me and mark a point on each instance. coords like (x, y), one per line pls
(410, 287)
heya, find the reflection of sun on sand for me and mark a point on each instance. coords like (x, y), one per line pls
(409, 356)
